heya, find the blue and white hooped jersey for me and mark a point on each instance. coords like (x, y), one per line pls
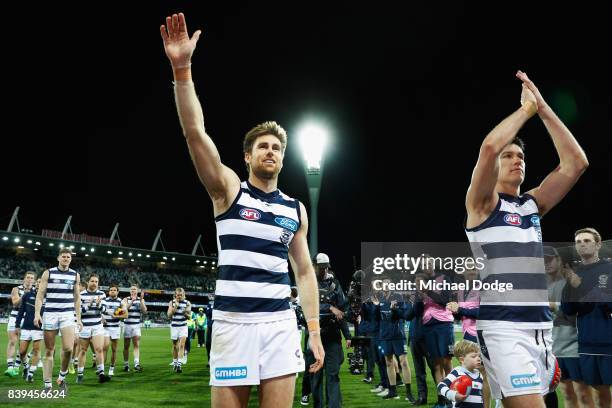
(60, 291)
(110, 306)
(253, 238)
(510, 241)
(179, 319)
(133, 309)
(91, 314)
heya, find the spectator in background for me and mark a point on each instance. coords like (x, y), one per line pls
(589, 297)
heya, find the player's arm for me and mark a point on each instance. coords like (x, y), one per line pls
(40, 297)
(77, 300)
(572, 159)
(21, 312)
(143, 306)
(481, 198)
(220, 181)
(188, 310)
(307, 287)
(15, 298)
(171, 309)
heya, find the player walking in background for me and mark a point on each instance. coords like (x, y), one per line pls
(135, 306)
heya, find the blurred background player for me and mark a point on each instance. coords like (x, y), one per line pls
(29, 333)
(135, 306)
(59, 291)
(92, 307)
(12, 366)
(178, 310)
(113, 314)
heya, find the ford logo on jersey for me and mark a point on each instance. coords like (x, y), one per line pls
(513, 219)
(524, 380)
(286, 223)
(230, 373)
(250, 214)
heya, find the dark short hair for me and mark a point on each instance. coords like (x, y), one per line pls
(114, 285)
(519, 142)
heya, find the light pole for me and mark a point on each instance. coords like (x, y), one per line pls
(313, 139)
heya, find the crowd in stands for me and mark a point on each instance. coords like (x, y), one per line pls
(13, 267)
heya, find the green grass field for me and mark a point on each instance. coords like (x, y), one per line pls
(159, 386)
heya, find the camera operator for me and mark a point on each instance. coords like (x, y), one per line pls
(332, 304)
(588, 295)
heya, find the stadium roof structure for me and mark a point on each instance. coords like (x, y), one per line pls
(48, 246)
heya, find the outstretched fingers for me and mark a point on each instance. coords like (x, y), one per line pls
(164, 33)
(182, 24)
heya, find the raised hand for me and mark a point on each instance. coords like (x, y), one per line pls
(527, 83)
(177, 44)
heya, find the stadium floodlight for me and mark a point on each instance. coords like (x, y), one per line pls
(201, 266)
(36, 249)
(173, 258)
(86, 254)
(165, 257)
(51, 244)
(20, 246)
(205, 262)
(109, 252)
(130, 254)
(139, 254)
(5, 238)
(120, 252)
(120, 258)
(37, 242)
(16, 239)
(29, 241)
(61, 245)
(71, 247)
(313, 141)
(82, 248)
(197, 261)
(162, 262)
(132, 260)
(92, 249)
(148, 256)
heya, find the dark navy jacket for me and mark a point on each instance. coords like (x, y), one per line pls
(26, 311)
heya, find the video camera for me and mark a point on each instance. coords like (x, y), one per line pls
(356, 359)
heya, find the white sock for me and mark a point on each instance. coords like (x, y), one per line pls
(136, 361)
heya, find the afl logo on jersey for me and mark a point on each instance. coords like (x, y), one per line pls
(513, 219)
(250, 214)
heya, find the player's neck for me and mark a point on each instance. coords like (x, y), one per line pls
(267, 186)
(62, 268)
(509, 189)
(587, 260)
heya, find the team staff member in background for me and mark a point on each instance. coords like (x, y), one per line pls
(200, 320)
(259, 229)
(332, 304)
(438, 326)
(589, 297)
(393, 312)
(17, 292)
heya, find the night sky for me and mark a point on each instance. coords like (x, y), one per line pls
(409, 92)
